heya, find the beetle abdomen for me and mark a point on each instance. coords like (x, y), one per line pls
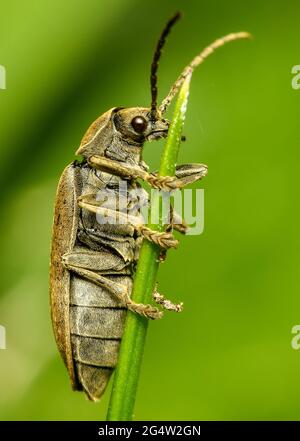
(96, 327)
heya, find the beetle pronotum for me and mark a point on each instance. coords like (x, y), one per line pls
(92, 263)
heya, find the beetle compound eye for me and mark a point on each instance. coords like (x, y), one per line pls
(139, 124)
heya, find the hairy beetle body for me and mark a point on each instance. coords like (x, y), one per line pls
(93, 261)
(88, 319)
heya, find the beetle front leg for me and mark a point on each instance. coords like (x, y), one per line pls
(185, 173)
(163, 239)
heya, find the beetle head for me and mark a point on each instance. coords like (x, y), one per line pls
(137, 125)
(121, 132)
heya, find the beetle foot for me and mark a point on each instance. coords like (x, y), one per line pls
(167, 304)
(183, 228)
(176, 222)
(165, 183)
(163, 239)
(148, 311)
(162, 255)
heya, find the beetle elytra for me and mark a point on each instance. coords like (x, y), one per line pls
(92, 263)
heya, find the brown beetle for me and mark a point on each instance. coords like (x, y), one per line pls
(92, 262)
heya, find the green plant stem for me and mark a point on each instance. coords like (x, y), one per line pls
(126, 378)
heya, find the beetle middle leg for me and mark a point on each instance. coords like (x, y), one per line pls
(176, 222)
(164, 239)
(85, 263)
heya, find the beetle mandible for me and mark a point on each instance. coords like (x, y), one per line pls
(92, 263)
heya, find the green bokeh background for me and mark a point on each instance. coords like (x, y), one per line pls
(229, 355)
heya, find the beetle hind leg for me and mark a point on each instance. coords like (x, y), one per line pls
(165, 303)
(118, 290)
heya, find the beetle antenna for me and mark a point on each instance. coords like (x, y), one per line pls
(188, 70)
(156, 57)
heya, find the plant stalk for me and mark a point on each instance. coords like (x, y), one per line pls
(122, 400)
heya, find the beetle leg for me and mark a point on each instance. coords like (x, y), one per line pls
(138, 244)
(117, 289)
(181, 227)
(164, 239)
(185, 173)
(176, 222)
(118, 168)
(165, 303)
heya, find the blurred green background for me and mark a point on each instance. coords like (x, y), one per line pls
(229, 355)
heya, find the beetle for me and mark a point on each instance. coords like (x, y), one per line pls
(93, 262)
